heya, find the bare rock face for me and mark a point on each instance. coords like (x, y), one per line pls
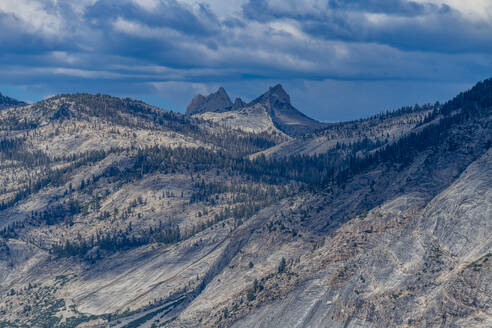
(377, 131)
(275, 96)
(249, 119)
(238, 104)
(218, 101)
(285, 116)
(275, 102)
(114, 213)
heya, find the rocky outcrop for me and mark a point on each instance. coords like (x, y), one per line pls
(275, 97)
(285, 116)
(374, 132)
(117, 214)
(410, 262)
(238, 104)
(218, 101)
(275, 102)
(249, 119)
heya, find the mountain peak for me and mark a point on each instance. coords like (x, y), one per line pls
(278, 93)
(285, 116)
(275, 101)
(218, 101)
(275, 96)
(238, 104)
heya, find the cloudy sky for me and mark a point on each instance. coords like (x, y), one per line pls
(338, 59)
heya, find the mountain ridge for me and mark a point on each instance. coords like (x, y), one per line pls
(117, 213)
(218, 101)
(6, 102)
(275, 101)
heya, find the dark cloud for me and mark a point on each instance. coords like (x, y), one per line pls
(394, 7)
(263, 11)
(402, 24)
(167, 50)
(170, 14)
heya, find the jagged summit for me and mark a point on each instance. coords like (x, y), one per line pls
(115, 213)
(285, 116)
(6, 102)
(274, 95)
(218, 101)
(238, 104)
(275, 102)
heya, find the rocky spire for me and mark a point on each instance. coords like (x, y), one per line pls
(285, 116)
(276, 103)
(218, 101)
(275, 96)
(238, 104)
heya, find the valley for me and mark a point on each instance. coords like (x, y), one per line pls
(115, 213)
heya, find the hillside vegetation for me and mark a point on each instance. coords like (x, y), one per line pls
(114, 213)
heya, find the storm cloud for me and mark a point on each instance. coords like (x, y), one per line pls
(338, 59)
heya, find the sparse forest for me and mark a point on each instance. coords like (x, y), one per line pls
(270, 179)
(89, 178)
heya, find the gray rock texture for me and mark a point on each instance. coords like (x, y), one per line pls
(238, 104)
(275, 103)
(114, 213)
(218, 101)
(285, 116)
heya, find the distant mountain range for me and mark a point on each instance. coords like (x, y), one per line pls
(275, 103)
(115, 213)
